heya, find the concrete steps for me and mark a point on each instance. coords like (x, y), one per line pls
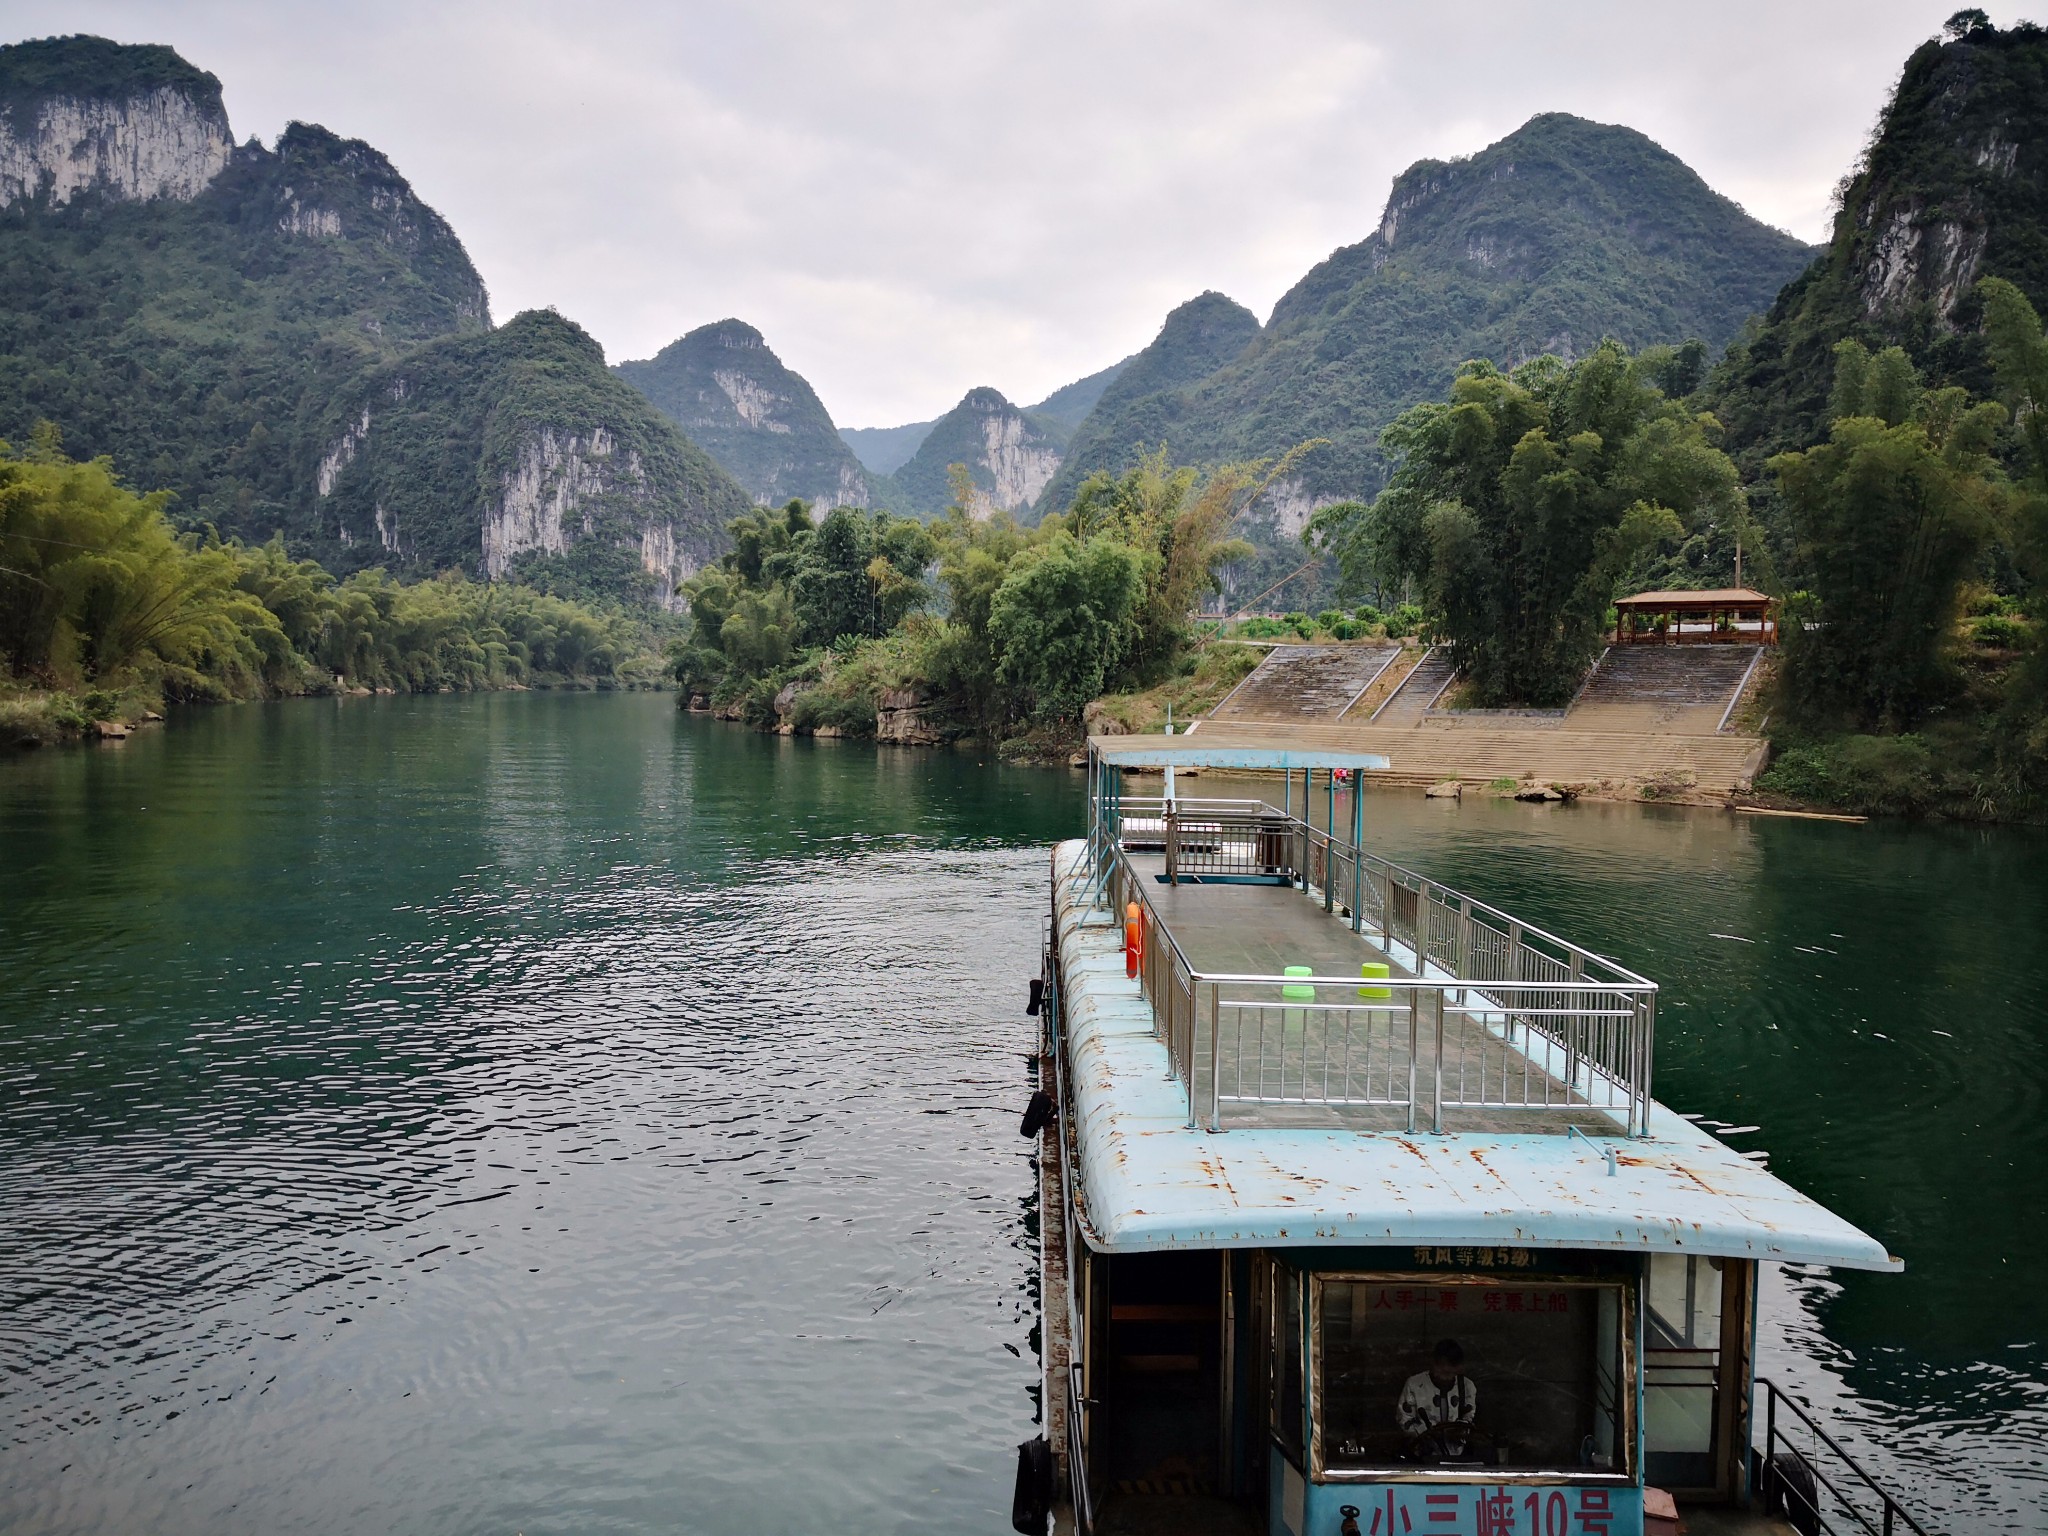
(1386, 685)
(1300, 683)
(1682, 689)
(1418, 692)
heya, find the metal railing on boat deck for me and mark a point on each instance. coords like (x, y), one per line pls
(1495, 1015)
(1819, 1486)
(1080, 1481)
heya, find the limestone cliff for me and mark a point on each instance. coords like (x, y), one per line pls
(1009, 455)
(517, 453)
(1953, 188)
(83, 117)
(763, 423)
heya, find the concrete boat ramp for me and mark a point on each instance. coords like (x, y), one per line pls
(1655, 721)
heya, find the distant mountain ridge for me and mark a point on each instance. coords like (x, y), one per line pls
(291, 341)
(734, 398)
(884, 450)
(1559, 234)
(1139, 407)
(1070, 404)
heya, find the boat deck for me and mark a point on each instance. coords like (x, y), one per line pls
(1263, 928)
(1147, 1180)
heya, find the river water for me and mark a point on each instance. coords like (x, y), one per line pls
(549, 1113)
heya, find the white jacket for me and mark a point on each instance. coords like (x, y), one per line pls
(1424, 1404)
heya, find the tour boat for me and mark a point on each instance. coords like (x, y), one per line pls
(1358, 1216)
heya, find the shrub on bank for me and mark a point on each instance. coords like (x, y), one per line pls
(1870, 775)
(1210, 674)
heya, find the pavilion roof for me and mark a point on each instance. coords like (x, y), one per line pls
(1714, 597)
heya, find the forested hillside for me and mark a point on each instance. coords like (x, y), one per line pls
(1952, 188)
(516, 453)
(1563, 233)
(1141, 406)
(1069, 405)
(762, 423)
(191, 329)
(230, 325)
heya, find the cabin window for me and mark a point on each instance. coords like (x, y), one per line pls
(1543, 1382)
(1287, 1375)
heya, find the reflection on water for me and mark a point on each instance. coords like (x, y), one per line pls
(513, 1113)
(551, 1114)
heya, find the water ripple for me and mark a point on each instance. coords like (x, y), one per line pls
(543, 1113)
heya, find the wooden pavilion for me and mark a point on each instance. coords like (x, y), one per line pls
(1721, 616)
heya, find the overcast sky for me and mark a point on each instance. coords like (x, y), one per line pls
(910, 199)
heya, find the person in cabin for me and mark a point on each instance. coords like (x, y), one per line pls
(1443, 1394)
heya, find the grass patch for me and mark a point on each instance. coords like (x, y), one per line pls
(1212, 672)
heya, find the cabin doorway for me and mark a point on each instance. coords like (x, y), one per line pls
(1162, 1392)
(1699, 1314)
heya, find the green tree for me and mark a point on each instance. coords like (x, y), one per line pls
(94, 583)
(97, 589)
(1177, 520)
(1062, 621)
(1889, 515)
(1521, 503)
(760, 633)
(859, 575)
(975, 556)
(760, 537)
(2019, 352)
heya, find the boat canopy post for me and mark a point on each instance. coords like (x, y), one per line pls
(1357, 855)
(1330, 833)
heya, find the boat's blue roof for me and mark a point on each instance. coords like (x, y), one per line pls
(1187, 752)
(1149, 1182)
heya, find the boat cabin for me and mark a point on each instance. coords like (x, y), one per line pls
(1359, 1215)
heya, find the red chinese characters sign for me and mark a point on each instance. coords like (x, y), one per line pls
(1495, 1511)
(1447, 1299)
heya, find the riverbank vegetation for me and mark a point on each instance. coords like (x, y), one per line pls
(1916, 675)
(107, 612)
(969, 625)
(1910, 546)
(1522, 502)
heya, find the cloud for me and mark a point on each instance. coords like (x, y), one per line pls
(913, 198)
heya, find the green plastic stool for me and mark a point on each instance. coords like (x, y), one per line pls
(1295, 992)
(1373, 970)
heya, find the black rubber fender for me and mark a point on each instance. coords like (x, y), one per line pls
(1794, 1494)
(1038, 1114)
(1031, 1504)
